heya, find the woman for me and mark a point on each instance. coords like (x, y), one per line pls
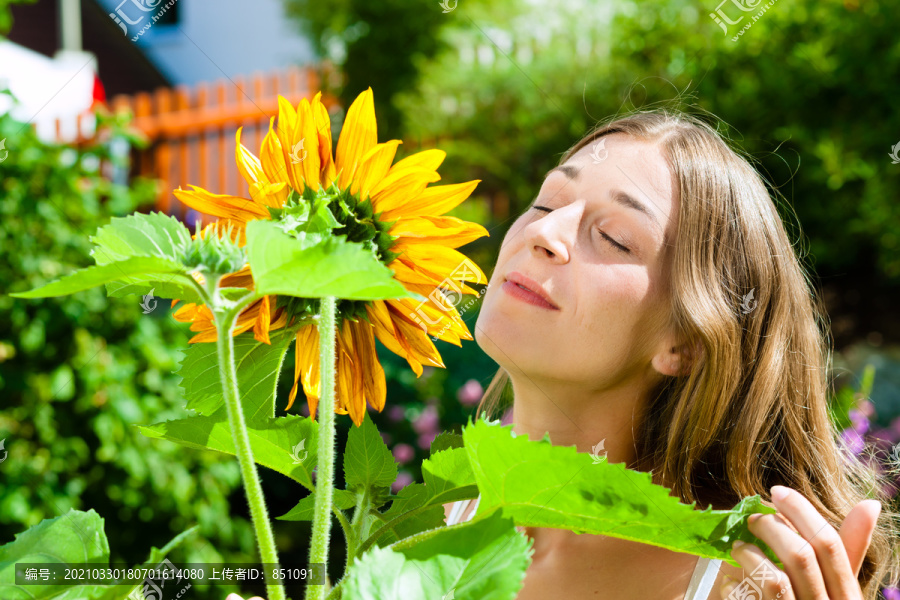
(651, 299)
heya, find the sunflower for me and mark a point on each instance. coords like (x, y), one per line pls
(390, 208)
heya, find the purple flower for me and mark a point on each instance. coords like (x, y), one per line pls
(426, 438)
(396, 413)
(403, 453)
(859, 420)
(891, 593)
(386, 437)
(470, 392)
(507, 416)
(853, 439)
(427, 421)
(403, 480)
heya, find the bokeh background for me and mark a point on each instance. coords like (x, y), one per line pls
(103, 117)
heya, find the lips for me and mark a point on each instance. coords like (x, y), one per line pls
(532, 288)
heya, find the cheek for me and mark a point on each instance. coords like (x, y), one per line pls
(617, 296)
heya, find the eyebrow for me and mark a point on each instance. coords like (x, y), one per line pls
(618, 195)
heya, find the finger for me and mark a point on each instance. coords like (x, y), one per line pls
(856, 531)
(233, 597)
(819, 554)
(765, 580)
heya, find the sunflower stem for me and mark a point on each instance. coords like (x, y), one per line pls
(318, 552)
(225, 321)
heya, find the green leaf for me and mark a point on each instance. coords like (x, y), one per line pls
(445, 440)
(258, 366)
(154, 234)
(75, 537)
(542, 485)
(316, 266)
(418, 507)
(343, 500)
(368, 464)
(273, 441)
(156, 556)
(126, 270)
(151, 235)
(484, 560)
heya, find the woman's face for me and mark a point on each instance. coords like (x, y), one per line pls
(593, 240)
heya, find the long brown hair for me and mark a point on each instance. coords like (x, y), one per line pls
(752, 412)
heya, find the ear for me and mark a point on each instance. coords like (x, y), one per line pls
(676, 360)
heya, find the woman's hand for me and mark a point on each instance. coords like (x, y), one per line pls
(821, 563)
(236, 597)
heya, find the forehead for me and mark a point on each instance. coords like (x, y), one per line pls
(618, 162)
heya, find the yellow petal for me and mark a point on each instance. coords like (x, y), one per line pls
(359, 134)
(416, 338)
(429, 159)
(284, 130)
(374, 386)
(266, 194)
(221, 205)
(306, 365)
(271, 156)
(306, 131)
(437, 313)
(353, 398)
(261, 325)
(373, 168)
(399, 186)
(406, 273)
(434, 201)
(446, 231)
(440, 259)
(242, 278)
(323, 127)
(247, 163)
(388, 334)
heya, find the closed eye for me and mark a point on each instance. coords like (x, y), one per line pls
(613, 242)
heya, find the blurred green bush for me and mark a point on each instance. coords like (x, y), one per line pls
(78, 373)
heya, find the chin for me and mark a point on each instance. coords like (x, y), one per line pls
(506, 341)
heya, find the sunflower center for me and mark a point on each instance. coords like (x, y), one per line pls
(343, 214)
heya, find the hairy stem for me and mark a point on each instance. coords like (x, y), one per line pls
(318, 553)
(225, 321)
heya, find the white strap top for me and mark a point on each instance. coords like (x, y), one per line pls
(699, 588)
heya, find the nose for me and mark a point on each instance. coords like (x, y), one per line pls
(553, 235)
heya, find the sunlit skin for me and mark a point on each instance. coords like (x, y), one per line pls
(580, 372)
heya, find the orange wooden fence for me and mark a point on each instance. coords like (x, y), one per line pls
(192, 129)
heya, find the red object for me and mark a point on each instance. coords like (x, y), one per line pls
(99, 94)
